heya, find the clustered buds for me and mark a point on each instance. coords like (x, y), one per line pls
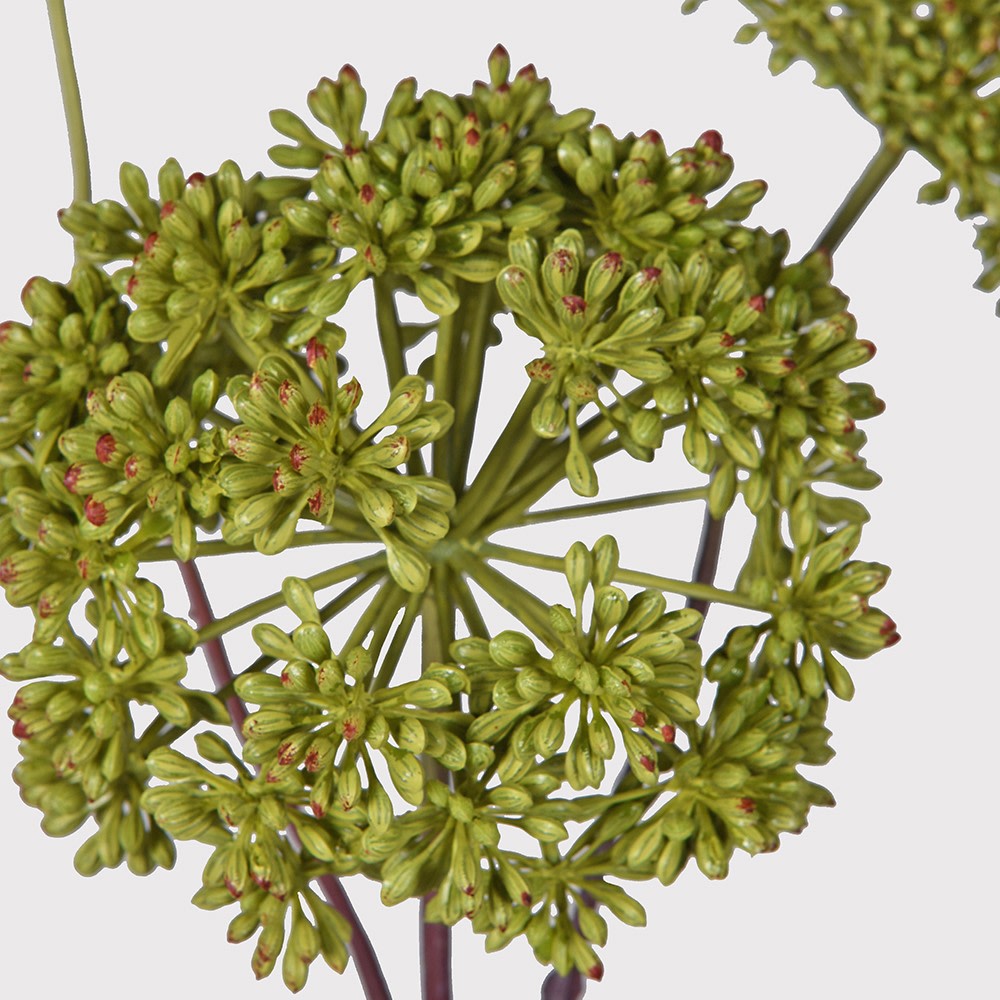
(195, 400)
(921, 76)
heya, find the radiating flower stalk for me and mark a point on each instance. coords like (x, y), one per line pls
(187, 393)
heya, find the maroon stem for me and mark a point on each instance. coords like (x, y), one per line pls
(570, 987)
(360, 946)
(435, 954)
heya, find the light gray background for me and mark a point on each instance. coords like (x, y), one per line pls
(890, 894)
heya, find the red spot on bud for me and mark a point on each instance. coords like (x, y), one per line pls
(132, 284)
(643, 181)
(472, 137)
(316, 502)
(317, 809)
(196, 180)
(527, 72)
(131, 467)
(688, 165)
(562, 261)
(262, 882)
(696, 199)
(747, 805)
(95, 512)
(647, 763)
(26, 373)
(650, 275)
(503, 88)
(740, 373)
(639, 719)
(369, 255)
(315, 351)
(351, 151)
(526, 899)
(150, 245)
(348, 72)
(278, 480)
(849, 427)
(788, 364)
(892, 639)
(712, 139)
(286, 753)
(596, 972)
(8, 573)
(318, 415)
(668, 732)
(298, 456)
(285, 392)
(758, 303)
(70, 477)
(5, 331)
(366, 194)
(350, 729)
(257, 382)
(574, 305)
(21, 730)
(83, 568)
(231, 886)
(540, 370)
(652, 136)
(469, 890)
(26, 291)
(887, 626)
(312, 761)
(168, 209)
(105, 448)
(612, 262)
(727, 340)
(870, 347)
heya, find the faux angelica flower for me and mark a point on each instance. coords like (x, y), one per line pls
(633, 670)
(75, 341)
(245, 819)
(296, 454)
(431, 196)
(134, 460)
(736, 788)
(326, 716)
(81, 753)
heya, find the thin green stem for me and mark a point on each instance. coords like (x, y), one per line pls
(878, 171)
(469, 606)
(501, 466)
(320, 581)
(304, 539)
(395, 651)
(470, 386)
(72, 105)
(511, 596)
(385, 603)
(446, 351)
(611, 506)
(388, 331)
(683, 587)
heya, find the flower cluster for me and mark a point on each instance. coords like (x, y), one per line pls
(923, 77)
(295, 448)
(81, 755)
(632, 670)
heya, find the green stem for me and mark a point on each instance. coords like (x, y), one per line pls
(395, 651)
(388, 331)
(320, 581)
(72, 104)
(512, 597)
(470, 386)
(304, 539)
(443, 371)
(611, 506)
(878, 171)
(513, 445)
(469, 607)
(385, 603)
(557, 565)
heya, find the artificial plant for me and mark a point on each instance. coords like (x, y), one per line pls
(187, 393)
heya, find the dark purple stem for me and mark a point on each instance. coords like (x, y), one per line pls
(708, 558)
(360, 946)
(435, 953)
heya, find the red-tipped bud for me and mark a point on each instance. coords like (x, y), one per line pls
(367, 194)
(870, 347)
(278, 479)
(747, 805)
(348, 72)
(131, 285)
(21, 730)
(257, 382)
(647, 763)
(298, 456)
(149, 246)
(574, 305)
(527, 72)
(562, 261)
(696, 199)
(8, 573)
(317, 502)
(526, 899)
(105, 448)
(168, 209)
(71, 476)
(315, 351)
(540, 370)
(596, 972)
(350, 729)
(712, 139)
(95, 512)
(639, 719)
(758, 303)
(472, 137)
(196, 180)
(650, 275)
(318, 415)
(668, 732)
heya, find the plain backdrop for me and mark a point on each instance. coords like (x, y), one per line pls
(892, 893)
